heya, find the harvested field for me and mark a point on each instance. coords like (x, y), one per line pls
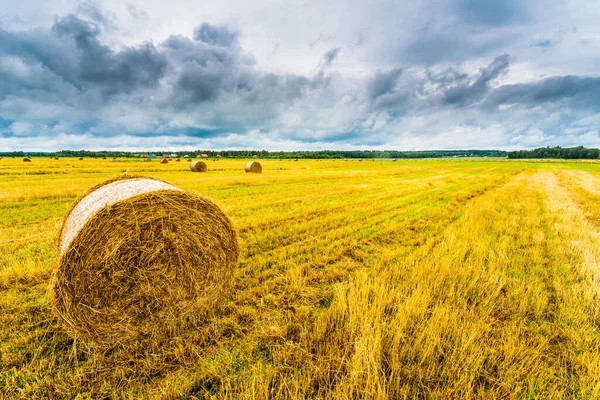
(472, 278)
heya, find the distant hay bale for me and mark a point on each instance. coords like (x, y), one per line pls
(394, 159)
(27, 159)
(164, 161)
(198, 166)
(360, 159)
(178, 160)
(254, 167)
(137, 258)
(104, 158)
(80, 158)
(295, 159)
(148, 160)
(56, 158)
(189, 159)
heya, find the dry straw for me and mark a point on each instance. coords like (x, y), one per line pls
(27, 159)
(137, 257)
(164, 161)
(253, 166)
(198, 166)
(80, 158)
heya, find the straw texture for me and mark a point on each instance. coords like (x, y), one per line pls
(253, 166)
(137, 257)
(198, 166)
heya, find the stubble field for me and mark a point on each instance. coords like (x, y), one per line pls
(373, 279)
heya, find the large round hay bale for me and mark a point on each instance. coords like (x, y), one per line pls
(253, 166)
(198, 166)
(178, 160)
(80, 158)
(164, 161)
(137, 257)
(27, 159)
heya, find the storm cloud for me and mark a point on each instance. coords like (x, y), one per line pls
(453, 83)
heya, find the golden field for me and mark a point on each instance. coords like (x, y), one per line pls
(375, 279)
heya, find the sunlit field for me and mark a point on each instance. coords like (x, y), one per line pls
(376, 279)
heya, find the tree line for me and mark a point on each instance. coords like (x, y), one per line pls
(579, 152)
(322, 154)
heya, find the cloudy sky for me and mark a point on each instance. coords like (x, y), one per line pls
(309, 74)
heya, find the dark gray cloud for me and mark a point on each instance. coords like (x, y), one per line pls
(331, 55)
(569, 91)
(451, 42)
(383, 83)
(68, 79)
(492, 12)
(464, 94)
(97, 64)
(72, 52)
(215, 35)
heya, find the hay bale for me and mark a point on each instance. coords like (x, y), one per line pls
(164, 161)
(394, 160)
(27, 159)
(56, 158)
(104, 158)
(137, 257)
(254, 167)
(178, 160)
(189, 159)
(198, 166)
(80, 158)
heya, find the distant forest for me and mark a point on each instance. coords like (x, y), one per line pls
(579, 152)
(272, 154)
